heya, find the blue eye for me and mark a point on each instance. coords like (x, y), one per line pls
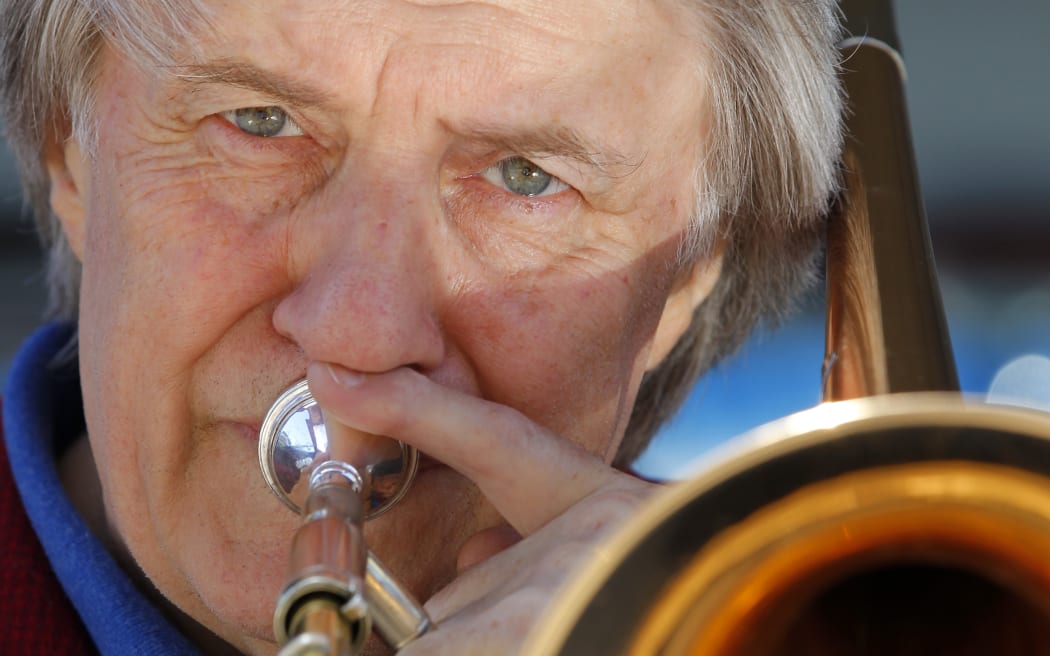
(263, 121)
(522, 177)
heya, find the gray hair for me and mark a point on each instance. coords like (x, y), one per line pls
(763, 186)
(48, 50)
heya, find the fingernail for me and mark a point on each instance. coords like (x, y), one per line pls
(344, 377)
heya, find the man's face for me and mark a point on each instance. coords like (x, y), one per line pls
(382, 224)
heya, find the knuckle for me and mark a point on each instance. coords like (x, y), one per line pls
(616, 501)
(610, 507)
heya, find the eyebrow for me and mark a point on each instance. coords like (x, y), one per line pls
(243, 75)
(560, 141)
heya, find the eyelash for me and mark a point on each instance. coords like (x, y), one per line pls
(499, 200)
(525, 172)
(257, 113)
(244, 142)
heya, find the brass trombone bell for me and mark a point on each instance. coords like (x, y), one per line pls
(897, 518)
(906, 524)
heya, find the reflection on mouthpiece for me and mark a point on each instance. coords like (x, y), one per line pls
(295, 439)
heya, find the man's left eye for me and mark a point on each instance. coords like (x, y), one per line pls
(263, 121)
(522, 177)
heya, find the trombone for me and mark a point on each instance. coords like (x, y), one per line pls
(896, 518)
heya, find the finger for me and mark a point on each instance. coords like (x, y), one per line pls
(501, 630)
(544, 560)
(528, 474)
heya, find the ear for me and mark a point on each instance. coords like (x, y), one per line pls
(67, 170)
(691, 289)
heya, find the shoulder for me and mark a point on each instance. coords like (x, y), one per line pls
(35, 615)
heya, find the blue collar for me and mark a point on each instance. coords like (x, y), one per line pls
(42, 411)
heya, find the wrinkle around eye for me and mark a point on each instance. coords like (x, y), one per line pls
(259, 174)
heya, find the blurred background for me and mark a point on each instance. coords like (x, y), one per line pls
(979, 100)
(979, 96)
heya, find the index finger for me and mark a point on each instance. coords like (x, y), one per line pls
(529, 474)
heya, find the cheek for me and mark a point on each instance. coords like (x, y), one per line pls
(170, 270)
(176, 278)
(186, 232)
(165, 278)
(566, 353)
(178, 250)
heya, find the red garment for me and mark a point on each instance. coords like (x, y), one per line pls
(36, 617)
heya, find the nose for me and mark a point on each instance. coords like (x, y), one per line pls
(366, 274)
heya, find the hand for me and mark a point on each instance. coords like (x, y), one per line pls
(558, 500)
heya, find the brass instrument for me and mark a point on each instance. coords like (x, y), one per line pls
(336, 590)
(896, 518)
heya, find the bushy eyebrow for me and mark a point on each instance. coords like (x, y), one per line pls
(559, 141)
(281, 88)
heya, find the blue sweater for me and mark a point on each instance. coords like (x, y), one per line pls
(41, 414)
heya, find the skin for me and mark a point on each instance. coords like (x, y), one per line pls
(504, 336)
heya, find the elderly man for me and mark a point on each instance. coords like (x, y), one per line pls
(507, 233)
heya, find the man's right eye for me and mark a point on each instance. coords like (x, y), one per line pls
(269, 121)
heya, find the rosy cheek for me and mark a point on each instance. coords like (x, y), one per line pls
(187, 267)
(227, 254)
(546, 343)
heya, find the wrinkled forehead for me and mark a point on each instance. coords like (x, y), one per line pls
(615, 64)
(600, 21)
(316, 34)
(599, 18)
(620, 74)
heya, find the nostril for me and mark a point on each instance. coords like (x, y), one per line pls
(281, 320)
(372, 342)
